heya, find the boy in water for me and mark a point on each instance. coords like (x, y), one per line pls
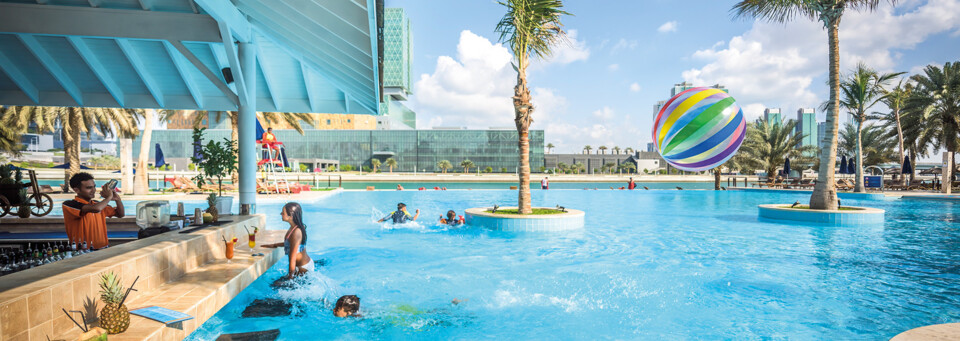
(347, 306)
(451, 219)
(401, 215)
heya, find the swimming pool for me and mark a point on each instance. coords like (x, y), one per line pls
(648, 265)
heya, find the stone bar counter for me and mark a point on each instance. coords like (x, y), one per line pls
(186, 272)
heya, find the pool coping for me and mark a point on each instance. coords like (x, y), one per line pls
(783, 213)
(482, 211)
(945, 331)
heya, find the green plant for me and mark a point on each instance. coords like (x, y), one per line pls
(192, 166)
(503, 169)
(6, 175)
(391, 162)
(24, 210)
(346, 168)
(543, 169)
(444, 165)
(488, 169)
(375, 164)
(212, 207)
(366, 169)
(331, 168)
(303, 167)
(18, 176)
(219, 159)
(466, 164)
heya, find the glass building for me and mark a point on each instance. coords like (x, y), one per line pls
(807, 125)
(411, 148)
(772, 116)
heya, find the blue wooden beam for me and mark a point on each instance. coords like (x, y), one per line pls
(212, 77)
(272, 85)
(52, 66)
(22, 80)
(226, 13)
(141, 68)
(184, 69)
(306, 85)
(98, 68)
(233, 59)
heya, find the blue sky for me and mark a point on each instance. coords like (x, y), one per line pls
(623, 56)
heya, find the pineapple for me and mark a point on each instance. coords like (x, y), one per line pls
(212, 202)
(24, 210)
(114, 316)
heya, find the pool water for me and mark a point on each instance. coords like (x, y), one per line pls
(649, 265)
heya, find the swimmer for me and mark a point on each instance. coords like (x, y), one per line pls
(401, 215)
(347, 306)
(452, 219)
(399, 187)
(295, 241)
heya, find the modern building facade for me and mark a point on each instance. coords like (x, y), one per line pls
(807, 126)
(414, 150)
(397, 72)
(651, 161)
(773, 116)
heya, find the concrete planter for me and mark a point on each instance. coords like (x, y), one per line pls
(225, 205)
(570, 220)
(856, 217)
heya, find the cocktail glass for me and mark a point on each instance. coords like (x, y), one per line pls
(252, 240)
(229, 250)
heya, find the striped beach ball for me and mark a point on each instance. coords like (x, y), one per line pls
(699, 129)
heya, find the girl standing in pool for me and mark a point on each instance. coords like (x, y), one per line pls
(295, 241)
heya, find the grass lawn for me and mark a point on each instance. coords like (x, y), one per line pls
(536, 211)
(807, 207)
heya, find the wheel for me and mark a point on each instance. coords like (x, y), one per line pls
(41, 204)
(4, 206)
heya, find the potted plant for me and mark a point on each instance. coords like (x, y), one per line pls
(216, 160)
(9, 187)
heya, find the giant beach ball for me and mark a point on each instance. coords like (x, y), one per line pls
(699, 129)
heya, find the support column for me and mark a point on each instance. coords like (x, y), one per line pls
(246, 130)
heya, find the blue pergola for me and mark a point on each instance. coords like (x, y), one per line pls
(218, 55)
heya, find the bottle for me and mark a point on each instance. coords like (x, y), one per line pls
(29, 250)
(73, 249)
(56, 252)
(85, 249)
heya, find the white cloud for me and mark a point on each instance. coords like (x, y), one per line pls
(624, 44)
(472, 90)
(613, 67)
(635, 87)
(570, 50)
(604, 113)
(670, 26)
(779, 65)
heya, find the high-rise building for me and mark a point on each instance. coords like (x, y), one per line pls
(397, 72)
(773, 116)
(651, 147)
(678, 88)
(807, 126)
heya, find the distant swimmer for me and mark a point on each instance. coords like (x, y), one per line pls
(679, 188)
(452, 219)
(399, 187)
(347, 306)
(401, 215)
(646, 188)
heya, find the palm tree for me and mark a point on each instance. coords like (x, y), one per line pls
(75, 121)
(587, 148)
(628, 150)
(860, 91)
(376, 165)
(466, 164)
(550, 147)
(829, 12)
(562, 166)
(530, 28)
(936, 102)
(444, 165)
(895, 99)
(919, 138)
(629, 167)
(579, 167)
(16, 120)
(608, 167)
(767, 145)
(616, 150)
(602, 149)
(877, 145)
(390, 162)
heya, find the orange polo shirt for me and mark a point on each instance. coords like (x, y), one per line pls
(90, 227)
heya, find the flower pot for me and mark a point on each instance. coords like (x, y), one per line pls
(224, 205)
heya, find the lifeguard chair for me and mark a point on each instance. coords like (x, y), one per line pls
(272, 169)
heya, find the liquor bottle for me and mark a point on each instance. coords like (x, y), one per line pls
(29, 250)
(56, 252)
(73, 249)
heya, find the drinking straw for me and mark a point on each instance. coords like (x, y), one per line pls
(83, 328)
(245, 228)
(128, 290)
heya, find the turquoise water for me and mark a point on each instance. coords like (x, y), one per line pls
(649, 265)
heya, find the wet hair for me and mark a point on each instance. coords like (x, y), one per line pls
(77, 179)
(296, 214)
(401, 205)
(349, 304)
(451, 215)
(269, 128)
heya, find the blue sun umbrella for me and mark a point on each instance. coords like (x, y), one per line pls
(786, 167)
(907, 167)
(67, 165)
(852, 167)
(843, 165)
(159, 161)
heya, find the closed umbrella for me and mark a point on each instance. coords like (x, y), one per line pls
(260, 130)
(786, 167)
(159, 161)
(852, 167)
(907, 167)
(67, 165)
(283, 156)
(843, 164)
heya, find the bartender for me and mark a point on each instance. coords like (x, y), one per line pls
(85, 218)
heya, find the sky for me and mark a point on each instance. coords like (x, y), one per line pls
(621, 57)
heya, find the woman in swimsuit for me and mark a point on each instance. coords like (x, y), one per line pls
(295, 241)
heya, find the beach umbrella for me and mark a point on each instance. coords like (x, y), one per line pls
(159, 161)
(843, 164)
(852, 167)
(67, 165)
(786, 167)
(283, 156)
(907, 167)
(260, 130)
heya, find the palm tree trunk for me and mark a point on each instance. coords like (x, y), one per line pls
(947, 186)
(235, 136)
(858, 186)
(824, 195)
(523, 108)
(126, 165)
(896, 116)
(716, 178)
(71, 144)
(141, 183)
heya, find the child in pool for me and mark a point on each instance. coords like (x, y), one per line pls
(451, 219)
(347, 306)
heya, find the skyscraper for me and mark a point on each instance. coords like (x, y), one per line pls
(678, 88)
(772, 115)
(397, 71)
(807, 125)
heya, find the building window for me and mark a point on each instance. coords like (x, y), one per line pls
(328, 122)
(348, 120)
